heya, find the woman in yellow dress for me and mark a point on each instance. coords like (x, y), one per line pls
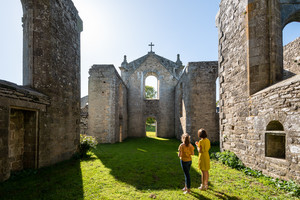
(203, 147)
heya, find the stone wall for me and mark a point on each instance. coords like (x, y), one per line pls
(52, 66)
(291, 58)
(281, 103)
(249, 63)
(264, 42)
(195, 101)
(107, 115)
(231, 22)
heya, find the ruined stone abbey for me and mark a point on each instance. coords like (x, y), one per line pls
(186, 99)
(258, 118)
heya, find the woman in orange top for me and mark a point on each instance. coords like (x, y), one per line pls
(203, 147)
(185, 152)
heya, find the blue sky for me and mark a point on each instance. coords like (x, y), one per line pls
(114, 28)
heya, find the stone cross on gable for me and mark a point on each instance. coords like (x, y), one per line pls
(151, 45)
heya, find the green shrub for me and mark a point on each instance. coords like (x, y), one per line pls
(289, 186)
(86, 144)
(230, 159)
(250, 172)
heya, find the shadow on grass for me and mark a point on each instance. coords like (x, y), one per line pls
(146, 163)
(199, 194)
(61, 181)
(222, 195)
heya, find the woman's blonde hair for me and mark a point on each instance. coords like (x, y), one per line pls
(185, 138)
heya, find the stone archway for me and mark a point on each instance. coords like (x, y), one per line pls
(290, 11)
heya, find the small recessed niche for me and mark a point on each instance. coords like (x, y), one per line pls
(275, 140)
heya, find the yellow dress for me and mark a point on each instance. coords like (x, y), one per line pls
(204, 160)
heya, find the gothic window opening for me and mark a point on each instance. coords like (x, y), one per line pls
(275, 140)
(151, 127)
(290, 32)
(151, 87)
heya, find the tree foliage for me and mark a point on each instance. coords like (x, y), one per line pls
(150, 92)
(150, 120)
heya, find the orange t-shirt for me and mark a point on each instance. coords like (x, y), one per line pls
(186, 152)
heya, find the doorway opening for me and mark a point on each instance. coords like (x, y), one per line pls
(23, 140)
(151, 127)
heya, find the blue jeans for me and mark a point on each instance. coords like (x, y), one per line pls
(186, 166)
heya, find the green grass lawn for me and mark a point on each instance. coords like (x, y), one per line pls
(151, 134)
(135, 169)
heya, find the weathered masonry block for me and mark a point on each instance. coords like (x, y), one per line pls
(107, 105)
(195, 101)
(253, 94)
(40, 120)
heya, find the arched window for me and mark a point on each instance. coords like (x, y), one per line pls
(290, 32)
(291, 49)
(151, 127)
(275, 140)
(274, 126)
(151, 87)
